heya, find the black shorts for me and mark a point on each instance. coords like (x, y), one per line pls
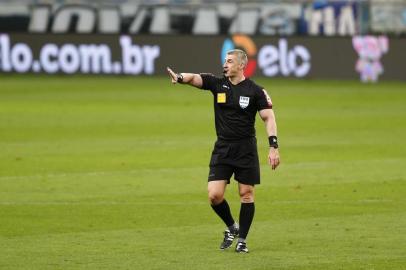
(235, 157)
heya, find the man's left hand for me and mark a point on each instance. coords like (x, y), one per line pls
(273, 157)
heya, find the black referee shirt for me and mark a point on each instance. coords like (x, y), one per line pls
(235, 106)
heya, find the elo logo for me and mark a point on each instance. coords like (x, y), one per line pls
(271, 60)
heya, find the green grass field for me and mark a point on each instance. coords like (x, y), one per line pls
(110, 173)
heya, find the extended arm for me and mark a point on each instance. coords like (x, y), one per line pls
(186, 78)
(268, 116)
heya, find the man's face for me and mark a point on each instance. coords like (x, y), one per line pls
(231, 66)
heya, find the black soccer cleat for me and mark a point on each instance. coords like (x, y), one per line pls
(229, 237)
(241, 247)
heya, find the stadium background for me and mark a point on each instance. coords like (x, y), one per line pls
(103, 162)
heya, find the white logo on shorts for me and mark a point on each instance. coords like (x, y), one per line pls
(244, 102)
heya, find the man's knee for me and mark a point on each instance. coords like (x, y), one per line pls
(216, 191)
(215, 197)
(247, 194)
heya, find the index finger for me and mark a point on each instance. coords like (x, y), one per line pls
(276, 163)
(170, 71)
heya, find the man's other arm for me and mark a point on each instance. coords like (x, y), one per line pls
(268, 116)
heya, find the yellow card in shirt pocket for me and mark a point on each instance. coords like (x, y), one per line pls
(221, 97)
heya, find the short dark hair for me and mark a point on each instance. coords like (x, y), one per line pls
(241, 56)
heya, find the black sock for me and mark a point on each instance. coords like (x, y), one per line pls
(246, 216)
(223, 211)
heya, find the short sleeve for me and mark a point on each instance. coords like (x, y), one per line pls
(209, 81)
(264, 100)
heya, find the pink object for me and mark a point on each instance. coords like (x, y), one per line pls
(370, 50)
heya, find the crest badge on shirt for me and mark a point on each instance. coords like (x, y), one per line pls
(244, 102)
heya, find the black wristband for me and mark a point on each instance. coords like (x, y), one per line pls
(273, 141)
(179, 78)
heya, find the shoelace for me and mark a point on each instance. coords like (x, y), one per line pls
(228, 236)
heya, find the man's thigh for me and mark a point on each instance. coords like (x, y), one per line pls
(217, 187)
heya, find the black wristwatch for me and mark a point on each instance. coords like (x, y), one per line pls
(179, 78)
(273, 141)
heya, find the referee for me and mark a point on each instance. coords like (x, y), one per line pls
(236, 102)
